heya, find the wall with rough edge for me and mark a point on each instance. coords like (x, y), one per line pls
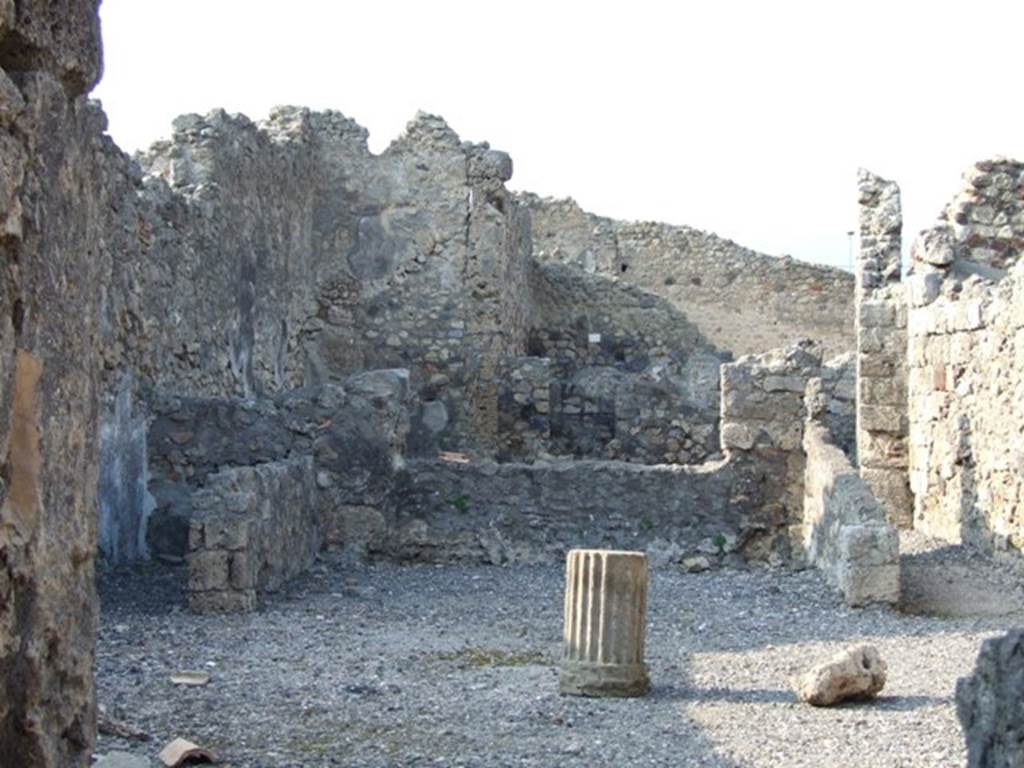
(846, 531)
(743, 301)
(966, 357)
(750, 503)
(762, 424)
(252, 529)
(882, 450)
(54, 210)
(355, 431)
(966, 419)
(839, 387)
(990, 704)
(627, 376)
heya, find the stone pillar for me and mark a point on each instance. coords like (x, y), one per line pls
(882, 416)
(605, 616)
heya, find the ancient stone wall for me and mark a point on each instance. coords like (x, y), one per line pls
(741, 300)
(881, 311)
(762, 427)
(749, 504)
(846, 530)
(251, 529)
(54, 210)
(355, 430)
(966, 385)
(618, 374)
(966, 356)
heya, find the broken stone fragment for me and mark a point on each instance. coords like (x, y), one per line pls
(855, 674)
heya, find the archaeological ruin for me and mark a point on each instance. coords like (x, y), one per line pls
(257, 345)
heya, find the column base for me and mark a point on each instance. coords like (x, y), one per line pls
(580, 678)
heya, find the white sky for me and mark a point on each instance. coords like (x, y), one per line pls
(748, 119)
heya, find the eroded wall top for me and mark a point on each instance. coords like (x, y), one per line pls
(743, 301)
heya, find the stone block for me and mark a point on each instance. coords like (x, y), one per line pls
(863, 546)
(208, 569)
(890, 390)
(867, 585)
(881, 418)
(738, 436)
(872, 314)
(226, 532)
(243, 571)
(222, 601)
(891, 487)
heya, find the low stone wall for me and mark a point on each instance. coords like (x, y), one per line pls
(252, 529)
(533, 513)
(846, 533)
(355, 431)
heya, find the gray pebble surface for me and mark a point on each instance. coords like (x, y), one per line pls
(388, 665)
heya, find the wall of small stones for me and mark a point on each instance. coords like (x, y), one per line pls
(762, 427)
(741, 300)
(966, 357)
(846, 531)
(618, 373)
(251, 530)
(533, 513)
(748, 504)
(966, 388)
(355, 431)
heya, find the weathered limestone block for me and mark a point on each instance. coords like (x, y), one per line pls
(845, 529)
(605, 622)
(855, 674)
(252, 529)
(990, 704)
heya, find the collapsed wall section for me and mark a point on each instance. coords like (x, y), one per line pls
(966, 359)
(741, 300)
(614, 373)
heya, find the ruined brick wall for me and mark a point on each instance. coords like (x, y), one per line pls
(355, 430)
(255, 258)
(749, 504)
(627, 376)
(54, 211)
(741, 300)
(966, 355)
(881, 321)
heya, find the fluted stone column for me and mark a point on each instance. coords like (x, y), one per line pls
(605, 615)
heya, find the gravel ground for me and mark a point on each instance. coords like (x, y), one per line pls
(413, 665)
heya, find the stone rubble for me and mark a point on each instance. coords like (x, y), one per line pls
(855, 674)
